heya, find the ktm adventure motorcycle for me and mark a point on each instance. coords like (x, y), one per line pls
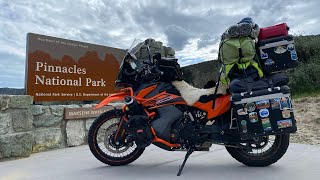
(156, 112)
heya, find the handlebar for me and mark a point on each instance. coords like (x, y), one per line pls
(153, 73)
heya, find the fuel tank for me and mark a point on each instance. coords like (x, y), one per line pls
(154, 95)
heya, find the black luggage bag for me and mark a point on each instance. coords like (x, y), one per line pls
(264, 112)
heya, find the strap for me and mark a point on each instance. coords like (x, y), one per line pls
(257, 60)
(250, 87)
(270, 83)
(215, 91)
(220, 56)
(240, 55)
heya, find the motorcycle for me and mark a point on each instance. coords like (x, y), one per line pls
(161, 109)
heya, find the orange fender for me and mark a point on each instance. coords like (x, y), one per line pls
(116, 97)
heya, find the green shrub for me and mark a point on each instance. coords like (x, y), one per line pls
(307, 46)
(305, 79)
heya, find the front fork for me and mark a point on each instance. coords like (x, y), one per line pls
(131, 108)
(119, 136)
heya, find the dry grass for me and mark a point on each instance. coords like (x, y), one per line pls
(307, 114)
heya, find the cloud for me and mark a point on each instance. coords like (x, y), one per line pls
(206, 40)
(177, 37)
(193, 28)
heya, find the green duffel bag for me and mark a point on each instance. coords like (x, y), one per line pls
(237, 50)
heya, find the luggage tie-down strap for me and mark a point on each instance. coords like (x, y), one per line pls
(263, 97)
(215, 91)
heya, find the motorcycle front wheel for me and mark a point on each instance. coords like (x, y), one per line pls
(102, 146)
(263, 151)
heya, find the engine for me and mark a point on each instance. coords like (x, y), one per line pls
(187, 129)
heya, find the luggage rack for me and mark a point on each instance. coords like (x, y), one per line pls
(272, 92)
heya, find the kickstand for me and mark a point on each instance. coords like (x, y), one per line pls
(189, 152)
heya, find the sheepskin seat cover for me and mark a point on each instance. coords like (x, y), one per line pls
(192, 95)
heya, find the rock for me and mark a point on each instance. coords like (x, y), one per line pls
(75, 132)
(88, 105)
(21, 119)
(88, 123)
(57, 110)
(16, 145)
(20, 101)
(4, 102)
(47, 138)
(5, 119)
(37, 110)
(47, 120)
(117, 105)
(73, 106)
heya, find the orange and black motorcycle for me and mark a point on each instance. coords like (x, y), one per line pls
(161, 109)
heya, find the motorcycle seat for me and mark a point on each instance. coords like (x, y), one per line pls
(192, 94)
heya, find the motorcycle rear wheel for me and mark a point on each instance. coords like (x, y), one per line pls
(101, 144)
(260, 155)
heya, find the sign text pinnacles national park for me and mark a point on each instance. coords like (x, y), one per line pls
(59, 69)
(57, 81)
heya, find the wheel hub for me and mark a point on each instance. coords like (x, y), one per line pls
(259, 142)
(112, 145)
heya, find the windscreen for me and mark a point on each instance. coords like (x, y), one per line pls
(130, 63)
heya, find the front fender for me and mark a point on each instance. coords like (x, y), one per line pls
(116, 97)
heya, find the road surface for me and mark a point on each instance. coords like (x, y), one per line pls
(300, 162)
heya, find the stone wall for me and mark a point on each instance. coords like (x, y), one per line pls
(27, 128)
(16, 126)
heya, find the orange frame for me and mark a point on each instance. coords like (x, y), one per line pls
(222, 105)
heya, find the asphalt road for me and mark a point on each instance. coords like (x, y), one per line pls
(300, 162)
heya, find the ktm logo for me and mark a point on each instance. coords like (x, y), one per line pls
(164, 99)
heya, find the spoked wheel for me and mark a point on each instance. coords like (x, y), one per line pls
(262, 151)
(103, 146)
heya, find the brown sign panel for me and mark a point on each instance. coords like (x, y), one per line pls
(81, 113)
(65, 70)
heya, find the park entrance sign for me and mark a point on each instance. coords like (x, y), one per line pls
(65, 70)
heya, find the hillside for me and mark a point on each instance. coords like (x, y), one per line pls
(199, 74)
(12, 91)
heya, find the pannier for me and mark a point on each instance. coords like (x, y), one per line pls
(264, 112)
(277, 54)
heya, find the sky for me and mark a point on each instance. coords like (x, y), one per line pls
(192, 27)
